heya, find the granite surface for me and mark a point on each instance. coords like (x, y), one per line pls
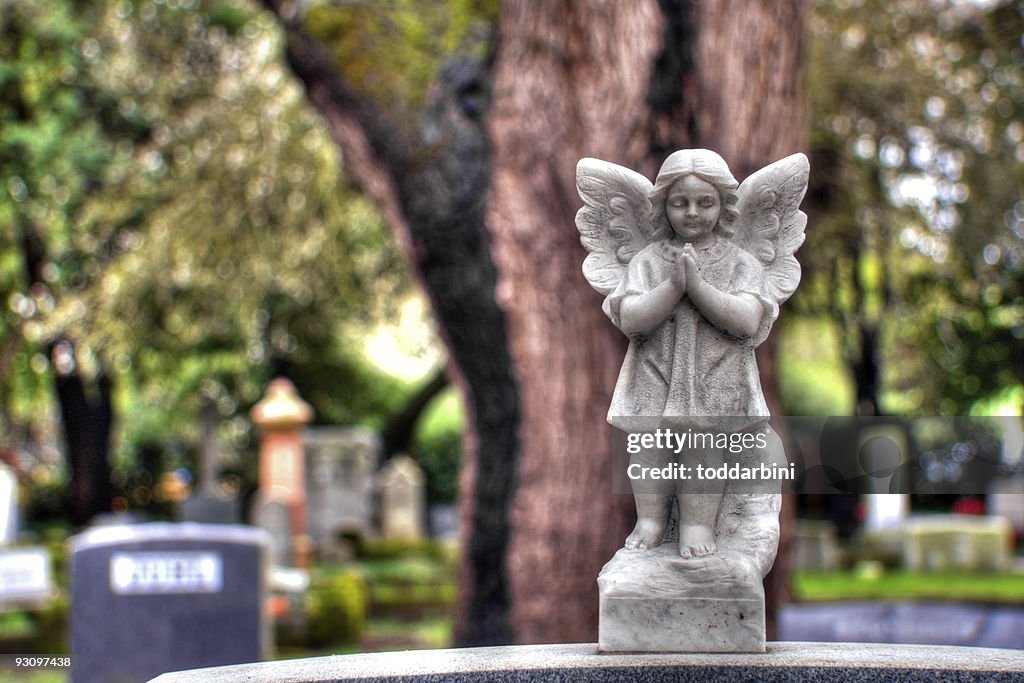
(782, 662)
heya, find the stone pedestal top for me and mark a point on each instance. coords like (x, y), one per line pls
(782, 662)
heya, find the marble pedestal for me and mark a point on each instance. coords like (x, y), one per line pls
(654, 601)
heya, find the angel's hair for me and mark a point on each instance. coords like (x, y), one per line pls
(709, 167)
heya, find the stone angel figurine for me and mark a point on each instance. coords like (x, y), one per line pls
(694, 269)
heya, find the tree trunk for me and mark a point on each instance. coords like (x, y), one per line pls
(866, 375)
(536, 358)
(87, 423)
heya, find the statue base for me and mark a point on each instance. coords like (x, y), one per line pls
(655, 601)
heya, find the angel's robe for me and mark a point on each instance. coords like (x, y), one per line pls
(687, 373)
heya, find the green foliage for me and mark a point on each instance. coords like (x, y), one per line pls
(14, 625)
(229, 17)
(410, 578)
(45, 500)
(334, 368)
(379, 549)
(336, 607)
(289, 255)
(918, 239)
(438, 442)
(42, 630)
(392, 50)
(51, 152)
(410, 595)
(194, 234)
(812, 378)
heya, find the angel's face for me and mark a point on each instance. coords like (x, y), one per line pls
(693, 206)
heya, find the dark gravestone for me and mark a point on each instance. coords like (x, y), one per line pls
(211, 508)
(161, 597)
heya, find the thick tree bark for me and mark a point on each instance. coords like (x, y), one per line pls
(537, 360)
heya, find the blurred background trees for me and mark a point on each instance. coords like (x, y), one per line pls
(915, 261)
(177, 229)
(174, 228)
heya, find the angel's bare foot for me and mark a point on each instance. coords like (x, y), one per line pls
(647, 534)
(696, 540)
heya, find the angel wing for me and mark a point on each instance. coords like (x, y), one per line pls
(770, 224)
(616, 220)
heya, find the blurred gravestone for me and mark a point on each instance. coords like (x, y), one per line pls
(25, 579)
(1006, 499)
(817, 548)
(211, 507)
(401, 485)
(444, 520)
(274, 517)
(8, 505)
(340, 467)
(941, 543)
(153, 598)
(210, 504)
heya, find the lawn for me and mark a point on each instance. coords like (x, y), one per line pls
(901, 585)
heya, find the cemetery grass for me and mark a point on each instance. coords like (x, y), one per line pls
(412, 600)
(34, 676)
(903, 585)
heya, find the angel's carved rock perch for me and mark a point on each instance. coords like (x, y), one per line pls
(694, 268)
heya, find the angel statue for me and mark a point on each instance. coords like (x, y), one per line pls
(693, 269)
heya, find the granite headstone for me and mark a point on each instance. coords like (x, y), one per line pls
(159, 597)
